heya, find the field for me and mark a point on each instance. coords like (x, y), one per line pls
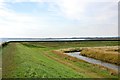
(39, 60)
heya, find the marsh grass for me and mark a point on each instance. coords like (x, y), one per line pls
(107, 54)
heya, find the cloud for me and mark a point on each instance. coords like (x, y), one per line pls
(103, 13)
(76, 9)
(91, 15)
(11, 23)
(73, 9)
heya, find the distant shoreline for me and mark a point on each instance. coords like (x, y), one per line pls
(62, 39)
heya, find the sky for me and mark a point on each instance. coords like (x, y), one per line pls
(58, 18)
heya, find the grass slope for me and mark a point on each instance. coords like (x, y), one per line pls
(37, 59)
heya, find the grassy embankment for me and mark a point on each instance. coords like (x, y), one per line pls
(107, 54)
(38, 59)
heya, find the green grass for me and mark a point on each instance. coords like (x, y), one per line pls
(37, 59)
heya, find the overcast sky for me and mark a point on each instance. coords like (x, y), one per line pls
(58, 18)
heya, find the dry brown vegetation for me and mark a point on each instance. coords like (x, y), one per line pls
(107, 54)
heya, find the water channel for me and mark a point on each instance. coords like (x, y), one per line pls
(93, 61)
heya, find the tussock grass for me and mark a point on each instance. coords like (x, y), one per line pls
(107, 54)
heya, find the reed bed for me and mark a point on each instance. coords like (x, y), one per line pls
(107, 54)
